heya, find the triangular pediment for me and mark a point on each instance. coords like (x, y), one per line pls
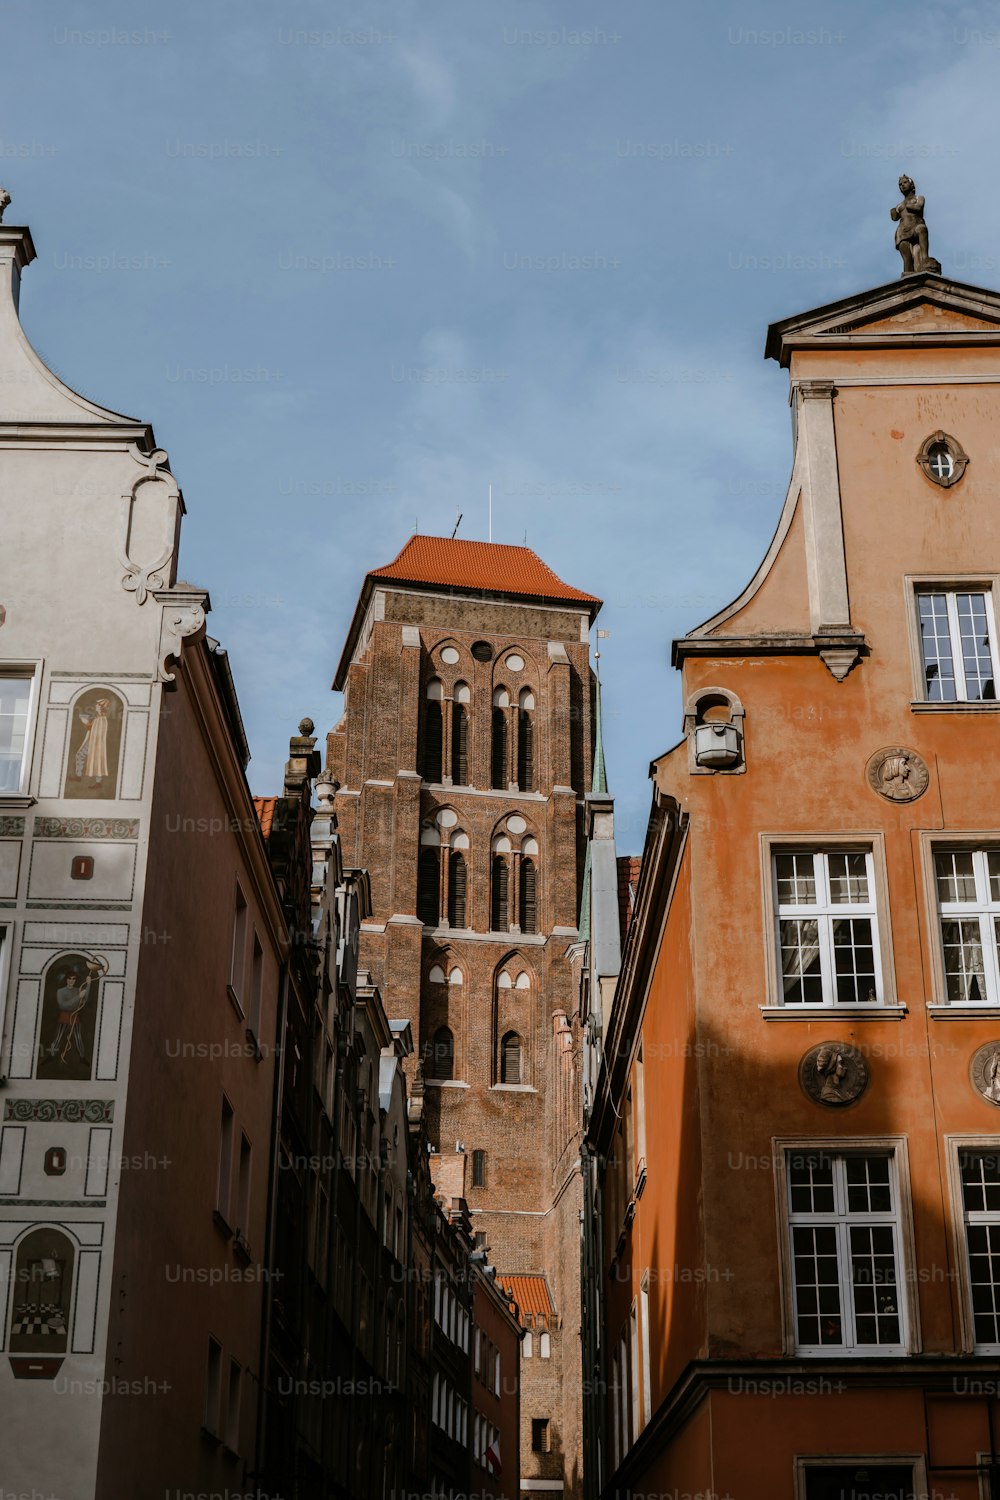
(917, 309)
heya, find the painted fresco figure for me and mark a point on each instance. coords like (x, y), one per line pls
(71, 997)
(92, 756)
(911, 230)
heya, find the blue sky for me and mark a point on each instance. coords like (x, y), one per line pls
(356, 262)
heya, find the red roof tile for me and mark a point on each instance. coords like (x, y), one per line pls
(629, 866)
(265, 814)
(459, 564)
(531, 1293)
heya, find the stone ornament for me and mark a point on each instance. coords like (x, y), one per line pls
(984, 1072)
(897, 774)
(833, 1074)
(911, 231)
(154, 491)
(4, 200)
(942, 459)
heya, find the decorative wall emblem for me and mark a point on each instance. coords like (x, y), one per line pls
(148, 528)
(69, 1111)
(833, 1074)
(943, 459)
(984, 1071)
(86, 828)
(897, 774)
(69, 1016)
(94, 746)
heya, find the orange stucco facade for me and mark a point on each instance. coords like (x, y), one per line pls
(709, 1109)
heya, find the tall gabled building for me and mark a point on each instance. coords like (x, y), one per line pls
(462, 759)
(797, 1246)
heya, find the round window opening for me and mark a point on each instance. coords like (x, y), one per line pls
(482, 651)
(942, 459)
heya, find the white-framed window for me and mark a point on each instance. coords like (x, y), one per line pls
(827, 926)
(979, 1174)
(844, 1229)
(644, 1334)
(18, 705)
(967, 882)
(958, 644)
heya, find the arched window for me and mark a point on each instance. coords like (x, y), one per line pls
(526, 742)
(439, 1055)
(457, 882)
(527, 1344)
(43, 1289)
(499, 920)
(510, 1058)
(428, 885)
(433, 733)
(460, 735)
(498, 759)
(528, 913)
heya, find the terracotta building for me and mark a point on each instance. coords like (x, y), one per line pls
(462, 760)
(796, 1246)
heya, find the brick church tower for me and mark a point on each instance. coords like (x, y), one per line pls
(463, 758)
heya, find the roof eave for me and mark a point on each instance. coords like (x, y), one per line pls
(588, 605)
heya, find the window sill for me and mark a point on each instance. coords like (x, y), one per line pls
(221, 1224)
(241, 1248)
(962, 1012)
(513, 1088)
(252, 1041)
(445, 1083)
(833, 1012)
(16, 799)
(234, 1001)
(922, 706)
(210, 1436)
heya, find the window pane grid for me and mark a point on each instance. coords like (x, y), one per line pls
(15, 697)
(968, 890)
(828, 956)
(980, 1176)
(844, 1252)
(957, 640)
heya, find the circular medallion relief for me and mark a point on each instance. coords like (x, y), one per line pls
(515, 663)
(897, 774)
(984, 1071)
(516, 823)
(450, 655)
(833, 1074)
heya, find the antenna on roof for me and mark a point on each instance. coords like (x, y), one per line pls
(602, 635)
(525, 536)
(416, 523)
(458, 522)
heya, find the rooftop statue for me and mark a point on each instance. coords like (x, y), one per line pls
(911, 231)
(4, 200)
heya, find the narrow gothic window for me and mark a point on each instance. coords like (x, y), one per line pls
(526, 743)
(460, 745)
(440, 1055)
(479, 1169)
(432, 767)
(498, 894)
(510, 1058)
(457, 873)
(498, 775)
(428, 882)
(529, 907)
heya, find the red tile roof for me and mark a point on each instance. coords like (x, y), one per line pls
(629, 866)
(264, 807)
(531, 1293)
(459, 564)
